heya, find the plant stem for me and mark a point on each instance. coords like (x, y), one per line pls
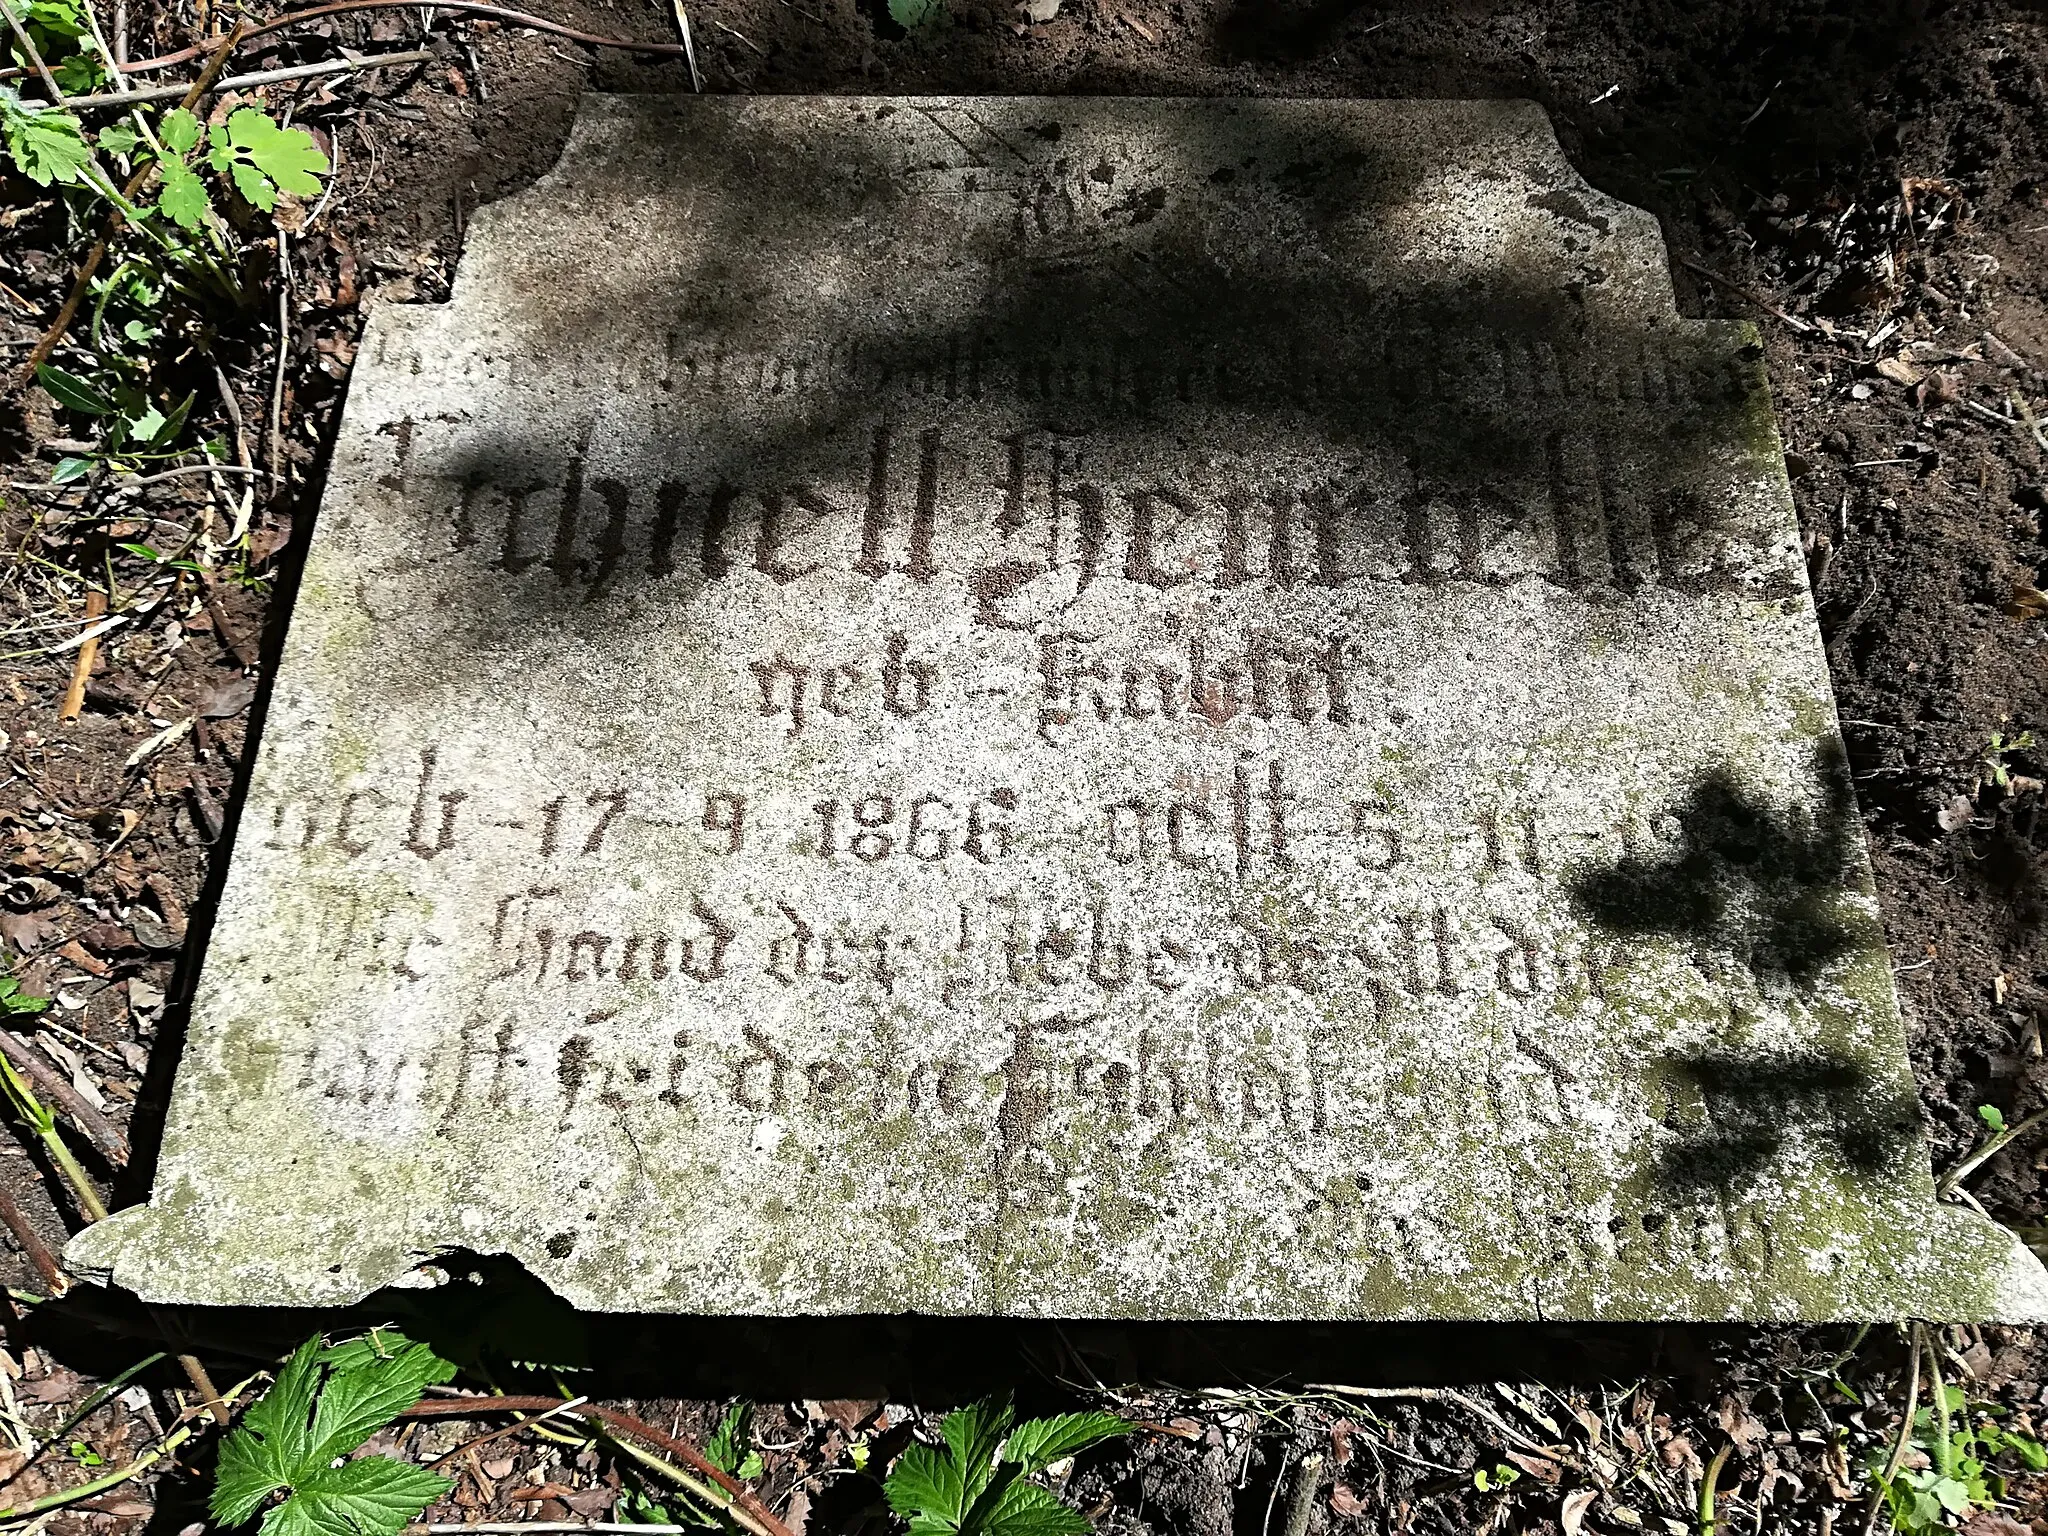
(1985, 1153)
(1707, 1514)
(142, 1463)
(1899, 1447)
(28, 46)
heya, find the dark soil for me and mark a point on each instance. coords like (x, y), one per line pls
(1868, 179)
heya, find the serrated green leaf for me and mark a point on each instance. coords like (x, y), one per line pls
(182, 197)
(1037, 1443)
(145, 424)
(119, 138)
(69, 469)
(47, 147)
(363, 1394)
(179, 130)
(271, 1446)
(78, 74)
(925, 1484)
(372, 1496)
(728, 1444)
(974, 1433)
(917, 15)
(72, 392)
(2029, 1450)
(1025, 1509)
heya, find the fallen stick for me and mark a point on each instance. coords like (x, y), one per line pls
(37, 1250)
(261, 77)
(98, 1129)
(466, 7)
(744, 1507)
(88, 652)
(1741, 292)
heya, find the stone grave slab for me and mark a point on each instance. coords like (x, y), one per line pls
(1050, 707)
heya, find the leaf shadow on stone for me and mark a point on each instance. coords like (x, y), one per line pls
(1761, 888)
(1759, 882)
(1757, 1108)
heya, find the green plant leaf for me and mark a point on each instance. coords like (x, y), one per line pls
(182, 197)
(1954, 1496)
(271, 1445)
(2029, 1450)
(78, 74)
(1025, 1509)
(325, 1403)
(1037, 1443)
(373, 1496)
(119, 138)
(917, 15)
(365, 1392)
(47, 147)
(69, 469)
(1992, 1116)
(925, 1485)
(264, 159)
(12, 998)
(179, 131)
(728, 1446)
(59, 18)
(72, 392)
(974, 1434)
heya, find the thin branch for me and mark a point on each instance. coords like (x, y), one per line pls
(37, 1250)
(743, 1506)
(466, 7)
(140, 1464)
(1951, 1180)
(261, 77)
(98, 1129)
(1741, 292)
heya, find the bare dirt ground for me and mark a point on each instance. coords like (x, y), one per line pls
(1865, 178)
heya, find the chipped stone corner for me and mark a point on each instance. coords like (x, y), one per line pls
(2014, 1278)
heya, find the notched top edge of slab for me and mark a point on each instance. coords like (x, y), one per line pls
(1445, 157)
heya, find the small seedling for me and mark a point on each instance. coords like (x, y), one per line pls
(978, 1482)
(324, 1404)
(730, 1449)
(1502, 1476)
(1993, 1117)
(918, 16)
(2001, 747)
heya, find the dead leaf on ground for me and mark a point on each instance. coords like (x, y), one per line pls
(1738, 1425)
(1345, 1501)
(1573, 1515)
(1039, 11)
(2027, 602)
(1989, 1522)
(228, 699)
(1957, 814)
(1542, 1468)
(1340, 1442)
(1678, 1454)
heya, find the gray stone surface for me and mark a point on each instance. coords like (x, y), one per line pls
(1058, 707)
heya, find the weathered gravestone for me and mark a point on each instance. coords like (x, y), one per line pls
(1058, 707)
